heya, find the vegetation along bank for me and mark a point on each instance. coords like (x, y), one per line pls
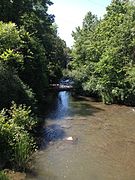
(32, 56)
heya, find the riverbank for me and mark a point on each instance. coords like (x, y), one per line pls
(12, 175)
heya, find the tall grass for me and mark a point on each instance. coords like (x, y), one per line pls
(22, 151)
(3, 176)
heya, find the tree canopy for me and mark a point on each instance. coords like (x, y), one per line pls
(104, 53)
(32, 56)
(30, 47)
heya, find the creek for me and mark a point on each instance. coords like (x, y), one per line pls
(102, 146)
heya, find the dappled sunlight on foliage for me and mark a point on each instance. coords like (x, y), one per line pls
(103, 54)
(15, 135)
(32, 55)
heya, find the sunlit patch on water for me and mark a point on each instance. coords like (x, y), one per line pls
(61, 108)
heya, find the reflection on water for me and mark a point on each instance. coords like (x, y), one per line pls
(67, 106)
(105, 149)
(61, 108)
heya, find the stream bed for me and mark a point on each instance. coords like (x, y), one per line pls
(86, 140)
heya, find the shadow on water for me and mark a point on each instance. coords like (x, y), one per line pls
(85, 110)
(50, 134)
(84, 98)
(65, 105)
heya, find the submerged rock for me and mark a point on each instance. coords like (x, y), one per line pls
(69, 138)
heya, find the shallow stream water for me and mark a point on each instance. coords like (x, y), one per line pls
(103, 145)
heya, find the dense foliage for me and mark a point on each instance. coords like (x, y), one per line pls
(16, 125)
(104, 54)
(32, 55)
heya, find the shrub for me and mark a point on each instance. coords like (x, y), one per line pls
(15, 137)
(22, 117)
(22, 148)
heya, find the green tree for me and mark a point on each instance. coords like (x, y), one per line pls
(107, 52)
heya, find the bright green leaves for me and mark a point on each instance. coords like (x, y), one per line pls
(9, 36)
(10, 41)
(110, 48)
(15, 138)
(21, 116)
(12, 59)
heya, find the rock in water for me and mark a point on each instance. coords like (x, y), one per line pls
(69, 138)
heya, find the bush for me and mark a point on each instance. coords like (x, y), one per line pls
(17, 142)
(21, 115)
(22, 148)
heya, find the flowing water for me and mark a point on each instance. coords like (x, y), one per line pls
(103, 145)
